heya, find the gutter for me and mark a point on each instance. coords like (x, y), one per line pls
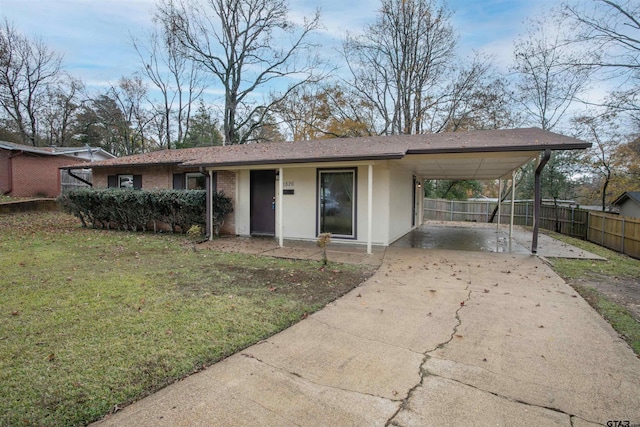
(537, 200)
(192, 163)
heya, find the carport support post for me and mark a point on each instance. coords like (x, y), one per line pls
(537, 200)
(280, 207)
(513, 203)
(209, 209)
(369, 207)
(499, 204)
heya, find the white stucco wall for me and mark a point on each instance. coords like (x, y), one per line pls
(392, 199)
(400, 202)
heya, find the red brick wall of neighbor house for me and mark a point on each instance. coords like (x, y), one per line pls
(226, 182)
(5, 185)
(38, 175)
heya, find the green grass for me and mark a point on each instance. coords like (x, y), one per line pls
(616, 267)
(91, 319)
(4, 198)
(616, 315)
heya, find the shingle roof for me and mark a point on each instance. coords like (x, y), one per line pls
(49, 151)
(365, 148)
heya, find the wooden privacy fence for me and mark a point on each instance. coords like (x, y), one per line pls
(566, 220)
(618, 233)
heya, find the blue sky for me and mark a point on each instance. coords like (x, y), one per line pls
(94, 35)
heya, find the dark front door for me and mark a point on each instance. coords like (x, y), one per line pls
(263, 197)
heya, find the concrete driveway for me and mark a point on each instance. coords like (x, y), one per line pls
(435, 337)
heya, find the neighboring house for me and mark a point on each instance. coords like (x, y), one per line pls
(361, 190)
(629, 204)
(27, 171)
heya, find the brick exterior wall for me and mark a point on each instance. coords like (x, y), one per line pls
(32, 175)
(226, 182)
(5, 175)
(161, 177)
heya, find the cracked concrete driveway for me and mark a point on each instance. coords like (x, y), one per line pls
(433, 338)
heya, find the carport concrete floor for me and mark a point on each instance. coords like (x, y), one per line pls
(434, 337)
(472, 236)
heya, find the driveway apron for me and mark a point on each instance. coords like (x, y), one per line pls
(435, 337)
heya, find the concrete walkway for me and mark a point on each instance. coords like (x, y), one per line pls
(435, 337)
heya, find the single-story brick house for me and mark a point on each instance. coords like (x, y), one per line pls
(629, 204)
(361, 190)
(27, 171)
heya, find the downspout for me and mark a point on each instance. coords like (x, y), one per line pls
(71, 174)
(10, 190)
(537, 199)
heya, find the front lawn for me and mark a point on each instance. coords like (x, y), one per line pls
(92, 320)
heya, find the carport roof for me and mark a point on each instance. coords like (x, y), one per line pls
(485, 154)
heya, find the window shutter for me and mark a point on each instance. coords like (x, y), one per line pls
(137, 182)
(178, 181)
(112, 181)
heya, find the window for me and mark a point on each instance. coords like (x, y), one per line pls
(195, 181)
(336, 202)
(124, 181)
(189, 181)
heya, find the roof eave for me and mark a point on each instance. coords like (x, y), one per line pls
(494, 149)
(293, 161)
(119, 165)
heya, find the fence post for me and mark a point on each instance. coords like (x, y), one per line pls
(451, 217)
(604, 223)
(622, 243)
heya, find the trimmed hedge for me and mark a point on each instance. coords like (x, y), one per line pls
(134, 210)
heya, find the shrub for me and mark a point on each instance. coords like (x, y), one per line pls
(134, 210)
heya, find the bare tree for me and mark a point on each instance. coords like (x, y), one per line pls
(603, 158)
(132, 120)
(178, 79)
(548, 78)
(476, 98)
(27, 67)
(401, 62)
(611, 30)
(245, 44)
(59, 113)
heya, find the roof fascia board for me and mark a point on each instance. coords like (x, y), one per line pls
(498, 149)
(88, 165)
(470, 155)
(291, 162)
(294, 165)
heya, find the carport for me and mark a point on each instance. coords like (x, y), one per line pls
(486, 156)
